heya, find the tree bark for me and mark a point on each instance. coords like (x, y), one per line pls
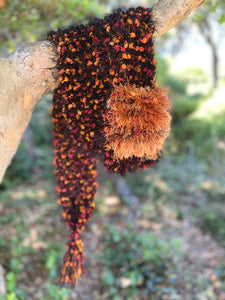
(25, 77)
(169, 13)
(30, 72)
(207, 31)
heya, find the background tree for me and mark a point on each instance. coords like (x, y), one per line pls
(19, 27)
(206, 20)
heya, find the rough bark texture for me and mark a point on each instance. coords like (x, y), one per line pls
(30, 72)
(25, 77)
(169, 13)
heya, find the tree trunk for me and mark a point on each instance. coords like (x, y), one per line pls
(215, 59)
(30, 72)
(207, 32)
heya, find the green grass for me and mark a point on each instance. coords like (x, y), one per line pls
(136, 263)
(213, 223)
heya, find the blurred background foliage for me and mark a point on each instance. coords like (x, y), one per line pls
(30, 20)
(175, 248)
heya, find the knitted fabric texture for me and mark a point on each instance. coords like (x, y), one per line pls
(107, 104)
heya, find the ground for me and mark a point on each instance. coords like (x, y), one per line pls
(31, 223)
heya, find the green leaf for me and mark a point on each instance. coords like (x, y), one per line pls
(214, 7)
(64, 292)
(11, 282)
(108, 277)
(222, 19)
(198, 18)
(12, 296)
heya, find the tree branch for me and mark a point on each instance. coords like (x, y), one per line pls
(26, 76)
(169, 13)
(30, 72)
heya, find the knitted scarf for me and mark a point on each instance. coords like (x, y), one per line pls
(107, 104)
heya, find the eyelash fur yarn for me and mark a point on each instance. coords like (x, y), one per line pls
(138, 121)
(107, 103)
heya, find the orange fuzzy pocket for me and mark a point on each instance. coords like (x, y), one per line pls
(138, 121)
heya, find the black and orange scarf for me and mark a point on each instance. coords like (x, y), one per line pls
(107, 104)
